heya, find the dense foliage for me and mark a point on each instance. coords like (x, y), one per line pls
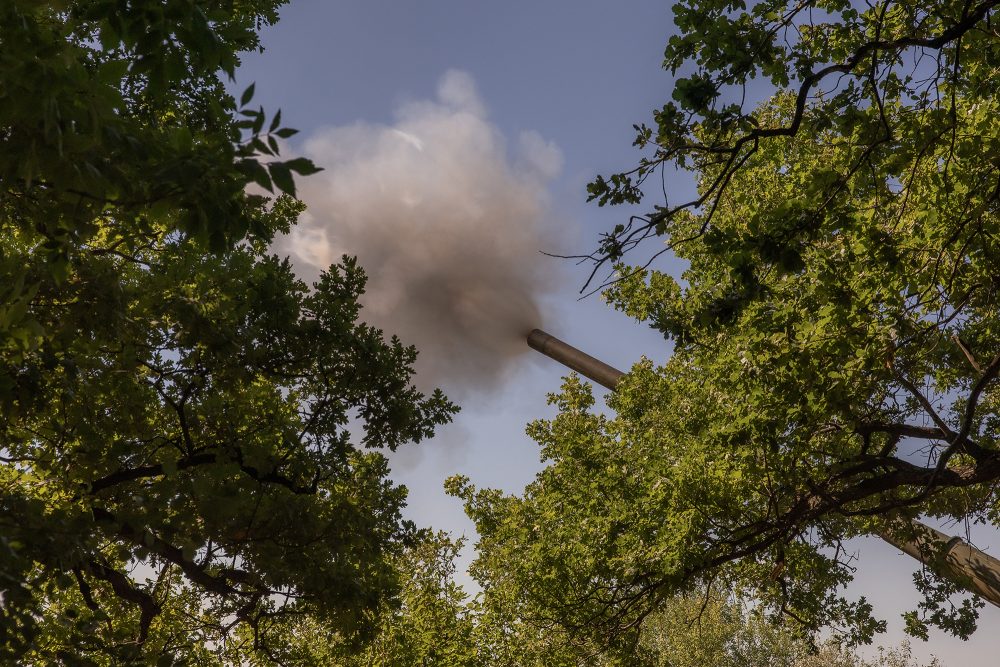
(186, 430)
(835, 337)
(430, 622)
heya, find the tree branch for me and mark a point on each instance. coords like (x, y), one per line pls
(124, 588)
(147, 540)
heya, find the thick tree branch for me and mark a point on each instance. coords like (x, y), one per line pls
(147, 540)
(125, 475)
(126, 590)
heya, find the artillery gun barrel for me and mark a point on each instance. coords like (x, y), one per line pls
(951, 557)
(571, 357)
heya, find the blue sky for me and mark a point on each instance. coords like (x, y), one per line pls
(577, 76)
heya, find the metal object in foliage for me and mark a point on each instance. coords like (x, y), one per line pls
(950, 557)
(579, 361)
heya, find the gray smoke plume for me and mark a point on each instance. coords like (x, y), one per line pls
(447, 225)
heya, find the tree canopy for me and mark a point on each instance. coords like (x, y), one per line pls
(430, 622)
(188, 433)
(835, 339)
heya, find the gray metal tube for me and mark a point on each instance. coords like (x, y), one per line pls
(577, 360)
(950, 557)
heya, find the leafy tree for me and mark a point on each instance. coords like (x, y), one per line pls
(430, 622)
(836, 655)
(704, 628)
(835, 340)
(186, 430)
(433, 622)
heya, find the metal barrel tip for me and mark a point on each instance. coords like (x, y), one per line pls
(575, 359)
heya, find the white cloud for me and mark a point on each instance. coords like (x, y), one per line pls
(447, 225)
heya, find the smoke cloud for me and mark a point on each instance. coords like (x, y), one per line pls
(448, 225)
